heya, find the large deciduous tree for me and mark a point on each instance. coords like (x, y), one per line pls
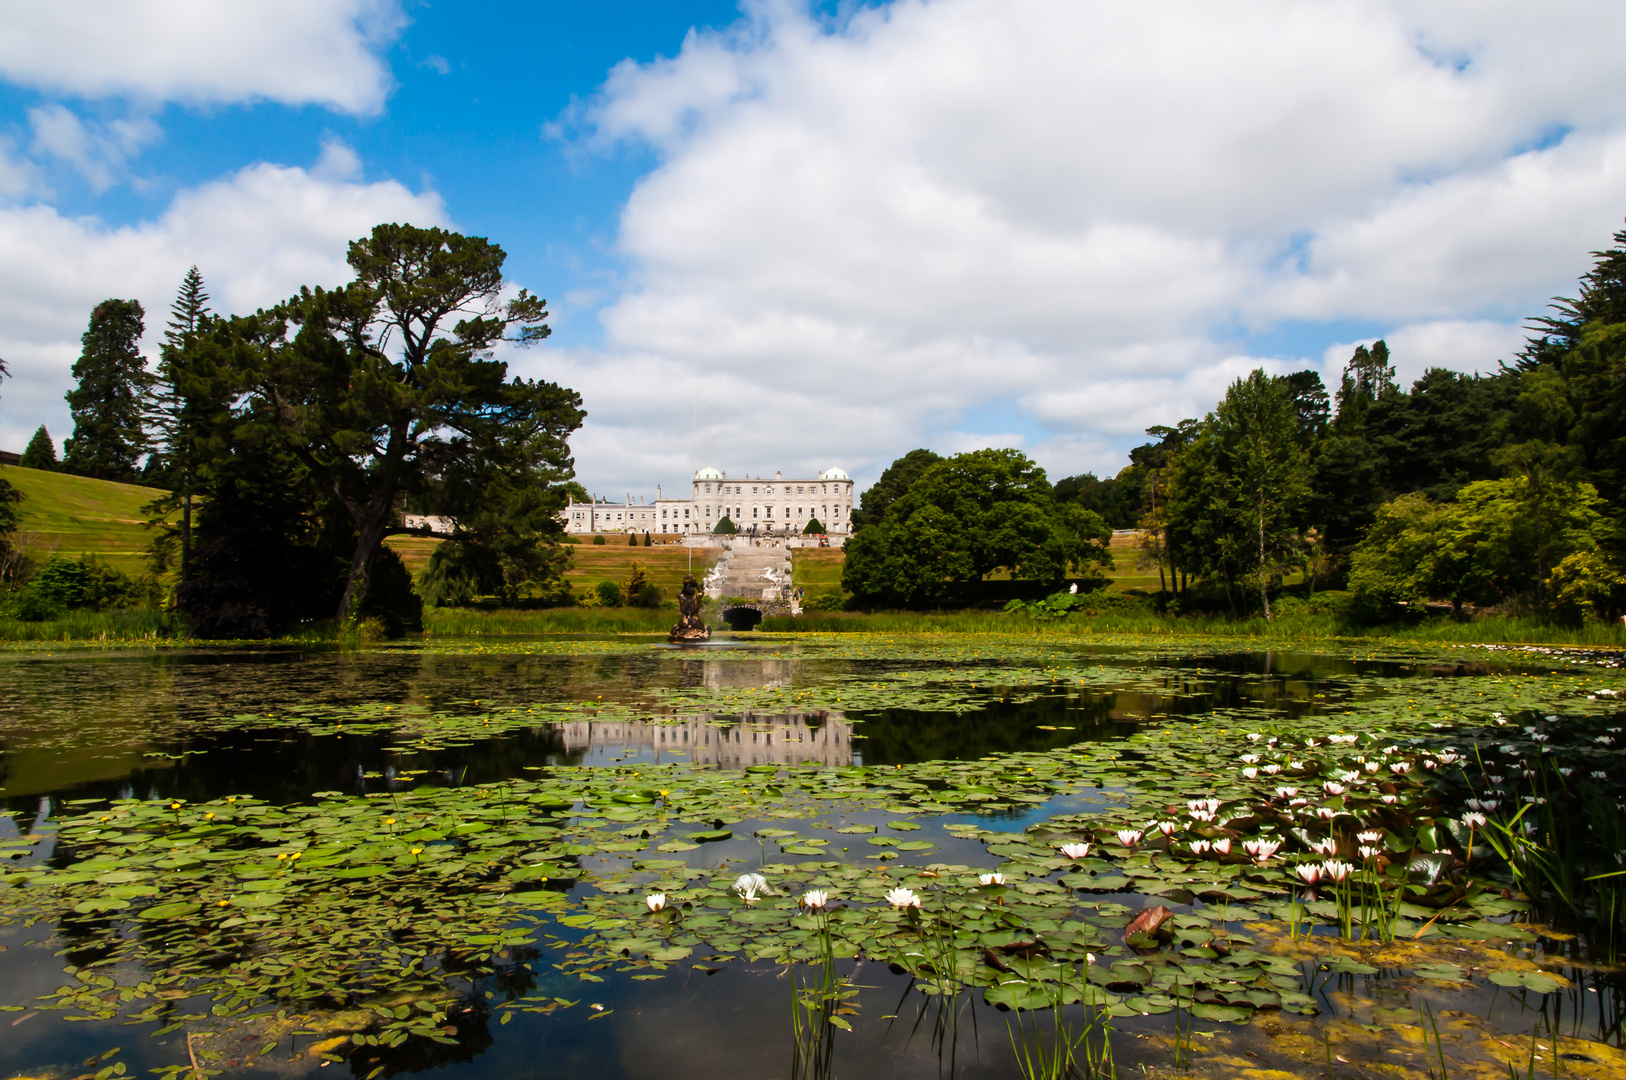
(964, 518)
(109, 403)
(894, 482)
(388, 384)
(1239, 494)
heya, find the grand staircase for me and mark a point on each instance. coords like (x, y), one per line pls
(744, 572)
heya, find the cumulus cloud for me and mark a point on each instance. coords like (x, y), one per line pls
(298, 52)
(859, 234)
(257, 235)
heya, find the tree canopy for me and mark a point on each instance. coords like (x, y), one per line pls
(109, 402)
(894, 482)
(963, 518)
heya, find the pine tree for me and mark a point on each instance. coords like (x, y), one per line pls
(109, 404)
(41, 451)
(175, 411)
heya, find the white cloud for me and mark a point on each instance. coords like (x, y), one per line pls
(257, 235)
(1459, 344)
(98, 150)
(320, 52)
(1075, 205)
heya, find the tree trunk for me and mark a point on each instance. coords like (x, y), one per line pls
(186, 538)
(1264, 583)
(369, 535)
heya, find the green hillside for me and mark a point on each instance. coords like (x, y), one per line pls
(75, 515)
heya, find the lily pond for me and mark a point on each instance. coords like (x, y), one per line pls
(841, 856)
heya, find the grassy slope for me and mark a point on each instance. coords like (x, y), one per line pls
(612, 561)
(819, 569)
(73, 515)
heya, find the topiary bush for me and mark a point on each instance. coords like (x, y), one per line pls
(598, 540)
(609, 594)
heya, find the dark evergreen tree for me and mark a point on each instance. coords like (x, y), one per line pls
(109, 403)
(41, 451)
(177, 411)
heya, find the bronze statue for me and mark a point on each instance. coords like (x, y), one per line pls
(689, 627)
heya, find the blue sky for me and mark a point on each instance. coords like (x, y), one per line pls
(783, 236)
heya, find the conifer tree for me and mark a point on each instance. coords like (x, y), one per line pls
(41, 451)
(109, 403)
(176, 413)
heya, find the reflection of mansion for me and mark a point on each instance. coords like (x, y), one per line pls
(786, 739)
(753, 504)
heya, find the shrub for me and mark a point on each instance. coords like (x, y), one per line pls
(650, 596)
(830, 600)
(609, 594)
(1326, 602)
(390, 605)
(725, 527)
(632, 539)
(647, 539)
(87, 582)
(27, 605)
(598, 540)
(812, 526)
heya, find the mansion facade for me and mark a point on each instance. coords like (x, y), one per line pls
(753, 504)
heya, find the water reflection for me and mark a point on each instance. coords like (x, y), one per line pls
(821, 738)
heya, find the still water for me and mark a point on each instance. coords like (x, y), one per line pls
(83, 732)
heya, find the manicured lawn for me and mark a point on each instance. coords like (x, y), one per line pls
(74, 515)
(817, 569)
(665, 564)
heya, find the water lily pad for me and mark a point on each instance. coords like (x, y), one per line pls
(177, 910)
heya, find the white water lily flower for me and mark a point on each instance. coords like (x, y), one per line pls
(1448, 758)
(655, 901)
(1324, 848)
(1200, 847)
(1349, 777)
(1372, 766)
(995, 878)
(815, 899)
(1286, 792)
(1075, 851)
(751, 886)
(1391, 799)
(1309, 873)
(1247, 759)
(1267, 848)
(1332, 787)
(1430, 764)
(902, 898)
(1167, 827)
(1250, 772)
(1254, 736)
(1129, 837)
(1326, 813)
(1336, 870)
(1473, 820)
(1296, 766)
(1368, 852)
(1204, 816)
(1369, 836)
(1223, 845)
(1213, 805)
(1271, 769)
(1496, 780)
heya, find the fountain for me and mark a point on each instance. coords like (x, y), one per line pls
(689, 628)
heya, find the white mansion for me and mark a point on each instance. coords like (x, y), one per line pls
(777, 506)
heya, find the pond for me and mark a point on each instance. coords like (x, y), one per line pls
(847, 856)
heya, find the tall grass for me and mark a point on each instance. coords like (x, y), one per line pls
(1294, 628)
(458, 622)
(100, 627)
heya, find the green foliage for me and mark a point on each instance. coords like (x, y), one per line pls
(812, 527)
(88, 583)
(1493, 544)
(632, 539)
(1237, 507)
(649, 595)
(608, 593)
(41, 451)
(829, 600)
(1586, 585)
(390, 601)
(963, 518)
(599, 540)
(377, 392)
(892, 485)
(109, 403)
(637, 578)
(725, 527)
